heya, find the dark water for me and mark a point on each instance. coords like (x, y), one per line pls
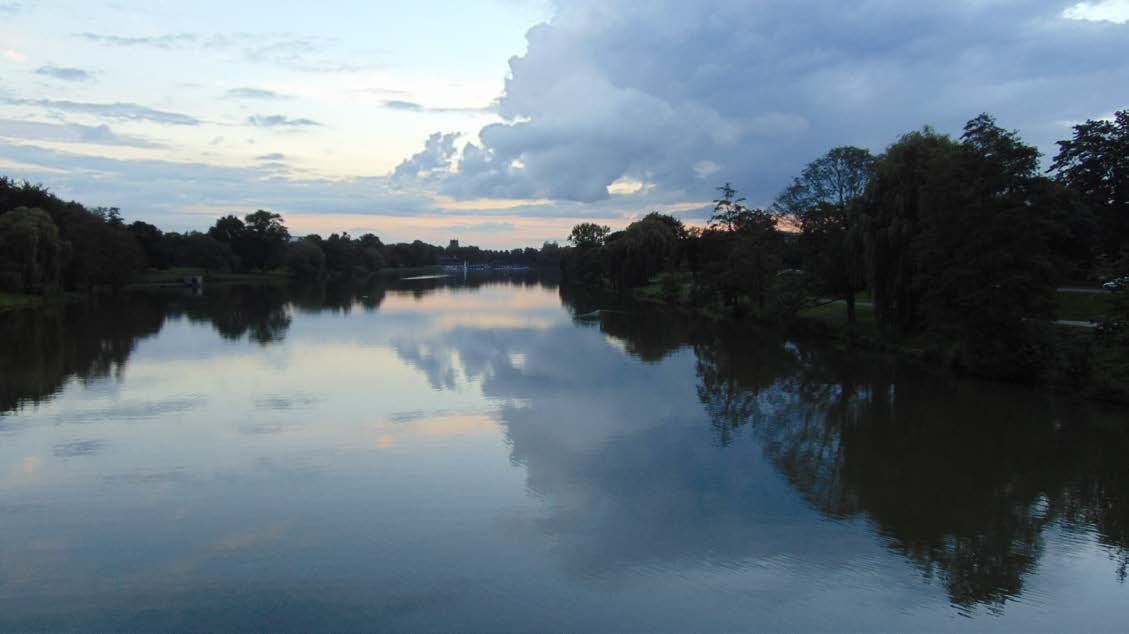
(438, 455)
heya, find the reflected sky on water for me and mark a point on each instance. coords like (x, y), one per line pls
(488, 454)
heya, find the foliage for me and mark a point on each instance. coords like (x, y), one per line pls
(305, 259)
(645, 249)
(738, 253)
(32, 255)
(957, 235)
(836, 179)
(588, 235)
(1094, 163)
(825, 199)
(102, 253)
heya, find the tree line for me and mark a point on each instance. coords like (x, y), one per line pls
(958, 240)
(48, 245)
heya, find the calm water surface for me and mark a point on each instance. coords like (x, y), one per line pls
(451, 454)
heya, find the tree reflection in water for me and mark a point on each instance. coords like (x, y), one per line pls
(963, 479)
(42, 349)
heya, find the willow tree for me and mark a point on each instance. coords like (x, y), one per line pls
(32, 255)
(957, 241)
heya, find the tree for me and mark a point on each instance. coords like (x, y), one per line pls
(891, 223)
(646, 248)
(824, 197)
(831, 244)
(152, 243)
(305, 259)
(200, 249)
(1095, 164)
(738, 253)
(1007, 164)
(588, 235)
(837, 179)
(958, 245)
(32, 255)
(265, 240)
(727, 210)
(228, 229)
(110, 215)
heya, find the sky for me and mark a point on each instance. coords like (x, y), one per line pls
(504, 122)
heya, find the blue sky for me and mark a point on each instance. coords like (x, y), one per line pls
(503, 123)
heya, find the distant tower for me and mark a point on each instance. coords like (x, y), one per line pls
(454, 244)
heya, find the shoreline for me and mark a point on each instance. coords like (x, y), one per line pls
(1106, 371)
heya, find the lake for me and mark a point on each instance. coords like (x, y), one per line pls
(491, 454)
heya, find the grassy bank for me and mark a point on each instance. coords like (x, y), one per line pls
(1076, 358)
(1084, 363)
(174, 276)
(1083, 306)
(16, 301)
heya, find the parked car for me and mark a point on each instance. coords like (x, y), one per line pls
(1117, 284)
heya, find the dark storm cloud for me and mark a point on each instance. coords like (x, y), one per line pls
(687, 95)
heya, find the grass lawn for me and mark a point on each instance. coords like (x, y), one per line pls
(12, 301)
(1082, 306)
(834, 314)
(173, 276)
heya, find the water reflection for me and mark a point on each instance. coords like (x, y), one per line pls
(93, 340)
(656, 446)
(963, 479)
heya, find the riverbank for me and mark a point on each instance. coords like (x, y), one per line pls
(175, 277)
(1077, 358)
(17, 301)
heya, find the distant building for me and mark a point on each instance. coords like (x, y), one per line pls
(454, 244)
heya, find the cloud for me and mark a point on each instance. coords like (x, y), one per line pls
(165, 41)
(287, 50)
(682, 96)
(13, 55)
(1103, 10)
(411, 106)
(299, 53)
(182, 195)
(276, 156)
(117, 111)
(171, 193)
(436, 156)
(397, 104)
(9, 8)
(280, 121)
(70, 133)
(254, 93)
(65, 73)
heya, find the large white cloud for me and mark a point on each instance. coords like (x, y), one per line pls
(685, 95)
